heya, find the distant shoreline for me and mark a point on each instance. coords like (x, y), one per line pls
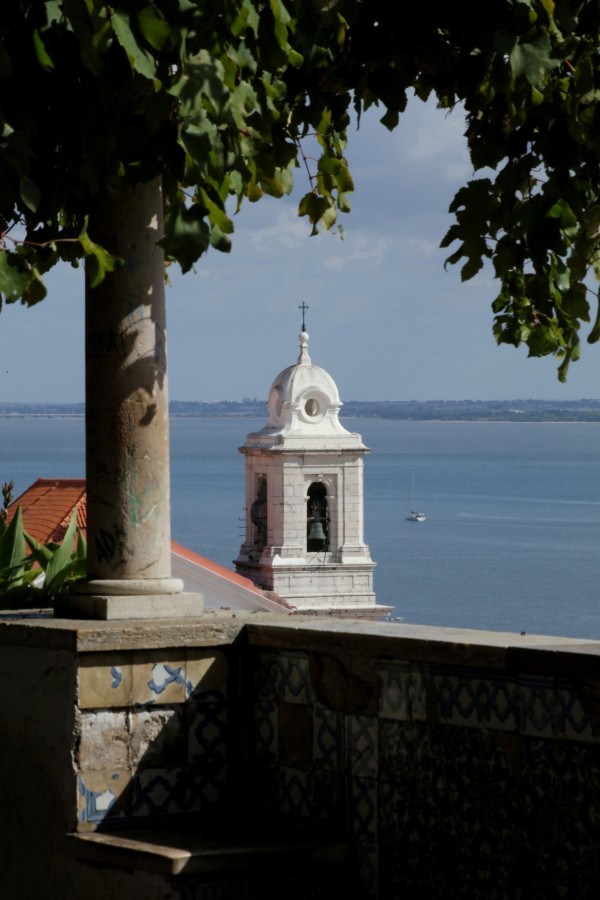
(502, 411)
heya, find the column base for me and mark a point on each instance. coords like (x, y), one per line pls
(105, 606)
(129, 586)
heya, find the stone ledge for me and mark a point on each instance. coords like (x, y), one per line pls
(173, 852)
(43, 629)
(504, 651)
(574, 657)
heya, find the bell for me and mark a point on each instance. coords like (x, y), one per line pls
(316, 532)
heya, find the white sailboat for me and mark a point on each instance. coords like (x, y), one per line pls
(413, 515)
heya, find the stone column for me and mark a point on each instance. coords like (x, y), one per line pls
(127, 423)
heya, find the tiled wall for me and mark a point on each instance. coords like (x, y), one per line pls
(152, 734)
(456, 783)
(453, 781)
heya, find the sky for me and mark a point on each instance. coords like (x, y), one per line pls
(385, 318)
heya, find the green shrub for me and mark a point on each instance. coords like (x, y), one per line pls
(34, 580)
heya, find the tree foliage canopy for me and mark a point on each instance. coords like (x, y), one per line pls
(219, 98)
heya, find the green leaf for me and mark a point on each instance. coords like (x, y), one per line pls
(319, 210)
(533, 59)
(338, 171)
(471, 268)
(563, 212)
(30, 193)
(81, 549)
(98, 261)
(35, 290)
(187, 234)
(12, 543)
(390, 119)
(154, 27)
(40, 553)
(217, 215)
(56, 568)
(139, 60)
(41, 53)
(14, 276)
(218, 240)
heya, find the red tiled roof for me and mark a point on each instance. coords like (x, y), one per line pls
(47, 507)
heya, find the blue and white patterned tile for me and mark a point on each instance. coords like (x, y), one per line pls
(363, 808)
(403, 695)
(294, 796)
(326, 795)
(293, 679)
(550, 710)
(205, 671)
(159, 792)
(206, 786)
(207, 740)
(500, 702)
(266, 675)
(103, 796)
(327, 739)
(468, 698)
(266, 730)
(406, 753)
(105, 681)
(362, 746)
(158, 680)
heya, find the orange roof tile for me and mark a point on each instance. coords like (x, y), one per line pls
(47, 507)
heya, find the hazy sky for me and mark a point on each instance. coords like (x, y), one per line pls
(385, 319)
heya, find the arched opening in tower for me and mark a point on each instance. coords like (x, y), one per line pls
(317, 518)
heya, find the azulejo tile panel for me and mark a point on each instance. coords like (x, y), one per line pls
(362, 804)
(486, 699)
(327, 739)
(266, 674)
(361, 746)
(554, 708)
(159, 792)
(282, 676)
(105, 681)
(110, 680)
(293, 678)
(294, 796)
(157, 680)
(403, 694)
(208, 748)
(205, 671)
(103, 796)
(266, 731)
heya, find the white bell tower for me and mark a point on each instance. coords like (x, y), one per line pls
(304, 499)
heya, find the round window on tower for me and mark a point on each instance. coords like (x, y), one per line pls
(312, 408)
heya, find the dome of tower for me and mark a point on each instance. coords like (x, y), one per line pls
(305, 389)
(304, 405)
